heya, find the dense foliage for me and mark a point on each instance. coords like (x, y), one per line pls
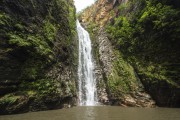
(147, 32)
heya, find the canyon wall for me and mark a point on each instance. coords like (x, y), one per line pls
(38, 55)
(136, 45)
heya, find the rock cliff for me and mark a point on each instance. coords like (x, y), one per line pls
(136, 45)
(38, 55)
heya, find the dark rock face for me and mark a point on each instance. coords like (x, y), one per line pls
(164, 93)
(37, 48)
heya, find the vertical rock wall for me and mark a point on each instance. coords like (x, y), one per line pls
(38, 55)
(122, 86)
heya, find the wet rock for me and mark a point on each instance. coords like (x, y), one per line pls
(7, 89)
(129, 101)
(101, 87)
(13, 104)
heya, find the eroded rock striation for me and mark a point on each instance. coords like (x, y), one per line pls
(122, 85)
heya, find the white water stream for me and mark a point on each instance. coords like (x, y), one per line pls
(87, 81)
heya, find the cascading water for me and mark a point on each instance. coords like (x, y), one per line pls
(87, 81)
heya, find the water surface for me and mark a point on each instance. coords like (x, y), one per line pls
(100, 113)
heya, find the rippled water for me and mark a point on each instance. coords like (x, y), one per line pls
(100, 113)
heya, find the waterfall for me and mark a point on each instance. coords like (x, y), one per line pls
(87, 81)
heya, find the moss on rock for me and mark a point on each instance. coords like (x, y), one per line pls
(37, 46)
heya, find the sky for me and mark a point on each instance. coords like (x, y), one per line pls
(81, 4)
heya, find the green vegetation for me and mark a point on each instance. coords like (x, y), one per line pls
(92, 29)
(122, 80)
(150, 36)
(42, 87)
(9, 99)
(147, 33)
(37, 43)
